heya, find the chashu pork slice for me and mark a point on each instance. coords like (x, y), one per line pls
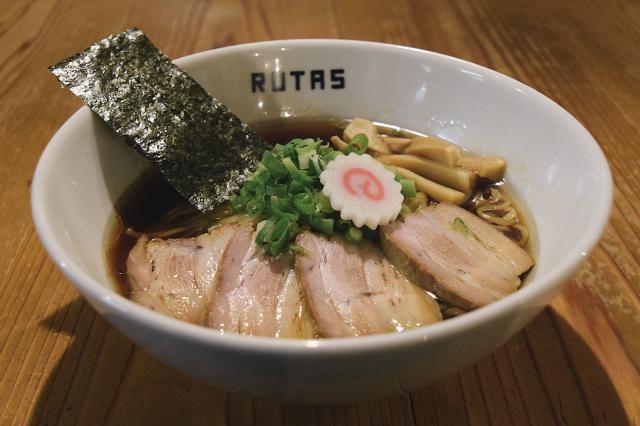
(258, 294)
(354, 290)
(455, 254)
(177, 277)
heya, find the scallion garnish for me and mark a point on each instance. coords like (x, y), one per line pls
(353, 235)
(408, 188)
(358, 144)
(286, 193)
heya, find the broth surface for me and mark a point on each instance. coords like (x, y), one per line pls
(151, 205)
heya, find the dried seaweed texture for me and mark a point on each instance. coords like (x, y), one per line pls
(201, 147)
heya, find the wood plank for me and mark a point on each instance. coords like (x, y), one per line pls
(300, 415)
(492, 391)
(509, 385)
(608, 378)
(424, 406)
(536, 401)
(556, 372)
(152, 393)
(473, 397)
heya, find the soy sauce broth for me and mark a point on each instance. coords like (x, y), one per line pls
(145, 205)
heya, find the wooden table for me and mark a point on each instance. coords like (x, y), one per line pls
(576, 364)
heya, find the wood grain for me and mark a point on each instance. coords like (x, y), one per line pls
(576, 364)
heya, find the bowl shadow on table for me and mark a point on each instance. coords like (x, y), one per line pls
(103, 378)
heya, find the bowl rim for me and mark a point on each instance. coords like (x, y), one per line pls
(110, 301)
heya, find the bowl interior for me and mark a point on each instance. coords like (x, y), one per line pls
(555, 167)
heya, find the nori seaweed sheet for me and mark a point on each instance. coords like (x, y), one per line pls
(201, 147)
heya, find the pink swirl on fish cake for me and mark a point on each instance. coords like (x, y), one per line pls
(361, 179)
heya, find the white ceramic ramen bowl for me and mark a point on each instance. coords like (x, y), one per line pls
(556, 169)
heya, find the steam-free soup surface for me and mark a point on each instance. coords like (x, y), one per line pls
(152, 218)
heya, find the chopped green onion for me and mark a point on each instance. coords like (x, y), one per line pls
(306, 150)
(353, 235)
(323, 203)
(255, 208)
(274, 165)
(288, 163)
(293, 230)
(237, 203)
(322, 224)
(296, 249)
(261, 175)
(285, 191)
(304, 145)
(408, 188)
(302, 176)
(277, 149)
(458, 225)
(416, 201)
(315, 161)
(264, 232)
(284, 212)
(358, 144)
(296, 187)
(328, 154)
(279, 190)
(303, 159)
(279, 237)
(304, 203)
